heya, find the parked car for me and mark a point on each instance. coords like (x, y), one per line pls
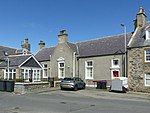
(74, 83)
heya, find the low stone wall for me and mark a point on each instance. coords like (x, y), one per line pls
(29, 87)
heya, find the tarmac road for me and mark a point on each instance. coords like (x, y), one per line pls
(82, 101)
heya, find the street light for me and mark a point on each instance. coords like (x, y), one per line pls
(6, 55)
(124, 27)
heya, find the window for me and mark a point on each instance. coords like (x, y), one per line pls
(31, 74)
(45, 70)
(36, 74)
(61, 69)
(25, 74)
(147, 55)
(10, 75)
(115, 63)
(148, 34)
(147, 79)
(89, 70)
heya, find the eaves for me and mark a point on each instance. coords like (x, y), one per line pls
(99, 55)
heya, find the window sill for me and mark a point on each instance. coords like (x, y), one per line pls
(88, 78)
(115, 67)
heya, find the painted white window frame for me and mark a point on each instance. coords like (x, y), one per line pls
(45, 70)
(36, 75)
(25, 71)
(146, 55)
(59, 71)
(115, 66)
(147, 34)
(147, 78)
(12, 71)
(86, 69)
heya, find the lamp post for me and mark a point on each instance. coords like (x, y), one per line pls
(6, 55)
(125, 58)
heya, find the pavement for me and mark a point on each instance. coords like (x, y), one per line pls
(95, 93)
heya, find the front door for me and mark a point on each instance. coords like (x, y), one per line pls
(115, 73)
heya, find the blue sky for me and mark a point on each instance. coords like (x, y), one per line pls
(83, 19)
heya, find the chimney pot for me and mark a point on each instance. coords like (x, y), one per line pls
(41, 44)
(62, 37)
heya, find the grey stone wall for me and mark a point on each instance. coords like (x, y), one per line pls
(30, 87)
(1, 74)
(62, 50)
(137, 67)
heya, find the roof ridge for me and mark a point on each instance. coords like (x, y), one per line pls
(102, 38)
(20, 55)
(9, 47)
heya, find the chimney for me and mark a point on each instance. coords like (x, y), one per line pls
(41, 45)
(140, 20)
(26, 45)
(62, 37)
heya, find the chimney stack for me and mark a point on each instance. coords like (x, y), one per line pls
(62, 37)
(26, 45)
(140, 20)
(41, 45)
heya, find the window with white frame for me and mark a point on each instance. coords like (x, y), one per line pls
(147, 34)
(115, 63)
(89, 70)
(33, 74)
(25, 74)
(147, 79)
(147, 55)
(61, 69)
(36, 75)
(11, 74)
(45, 70)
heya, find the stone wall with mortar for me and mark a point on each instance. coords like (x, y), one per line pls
(30, 87)
(137, 67)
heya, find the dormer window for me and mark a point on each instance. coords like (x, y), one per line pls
(147, 34)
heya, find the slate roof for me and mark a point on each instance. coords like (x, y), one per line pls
(101, 46)
(73, 47)
(10, 51)
(44, 54)
(139, 39)
(15, 60)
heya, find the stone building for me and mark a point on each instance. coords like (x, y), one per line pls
(102, 58)
(97, 59)
(19, 64)
(139, 54)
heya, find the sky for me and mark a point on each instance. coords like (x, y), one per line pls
(82, 19)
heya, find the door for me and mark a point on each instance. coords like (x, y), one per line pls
(115, 73)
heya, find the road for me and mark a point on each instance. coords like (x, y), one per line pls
(83, 101)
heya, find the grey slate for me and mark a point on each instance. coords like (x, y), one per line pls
(10, 51)
(73, 47)
(140, 38)
(44, 54)
(31, 63)
(15, 60)
(101, 46)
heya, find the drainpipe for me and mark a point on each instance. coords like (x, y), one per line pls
(74, 63)
(49, 68)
